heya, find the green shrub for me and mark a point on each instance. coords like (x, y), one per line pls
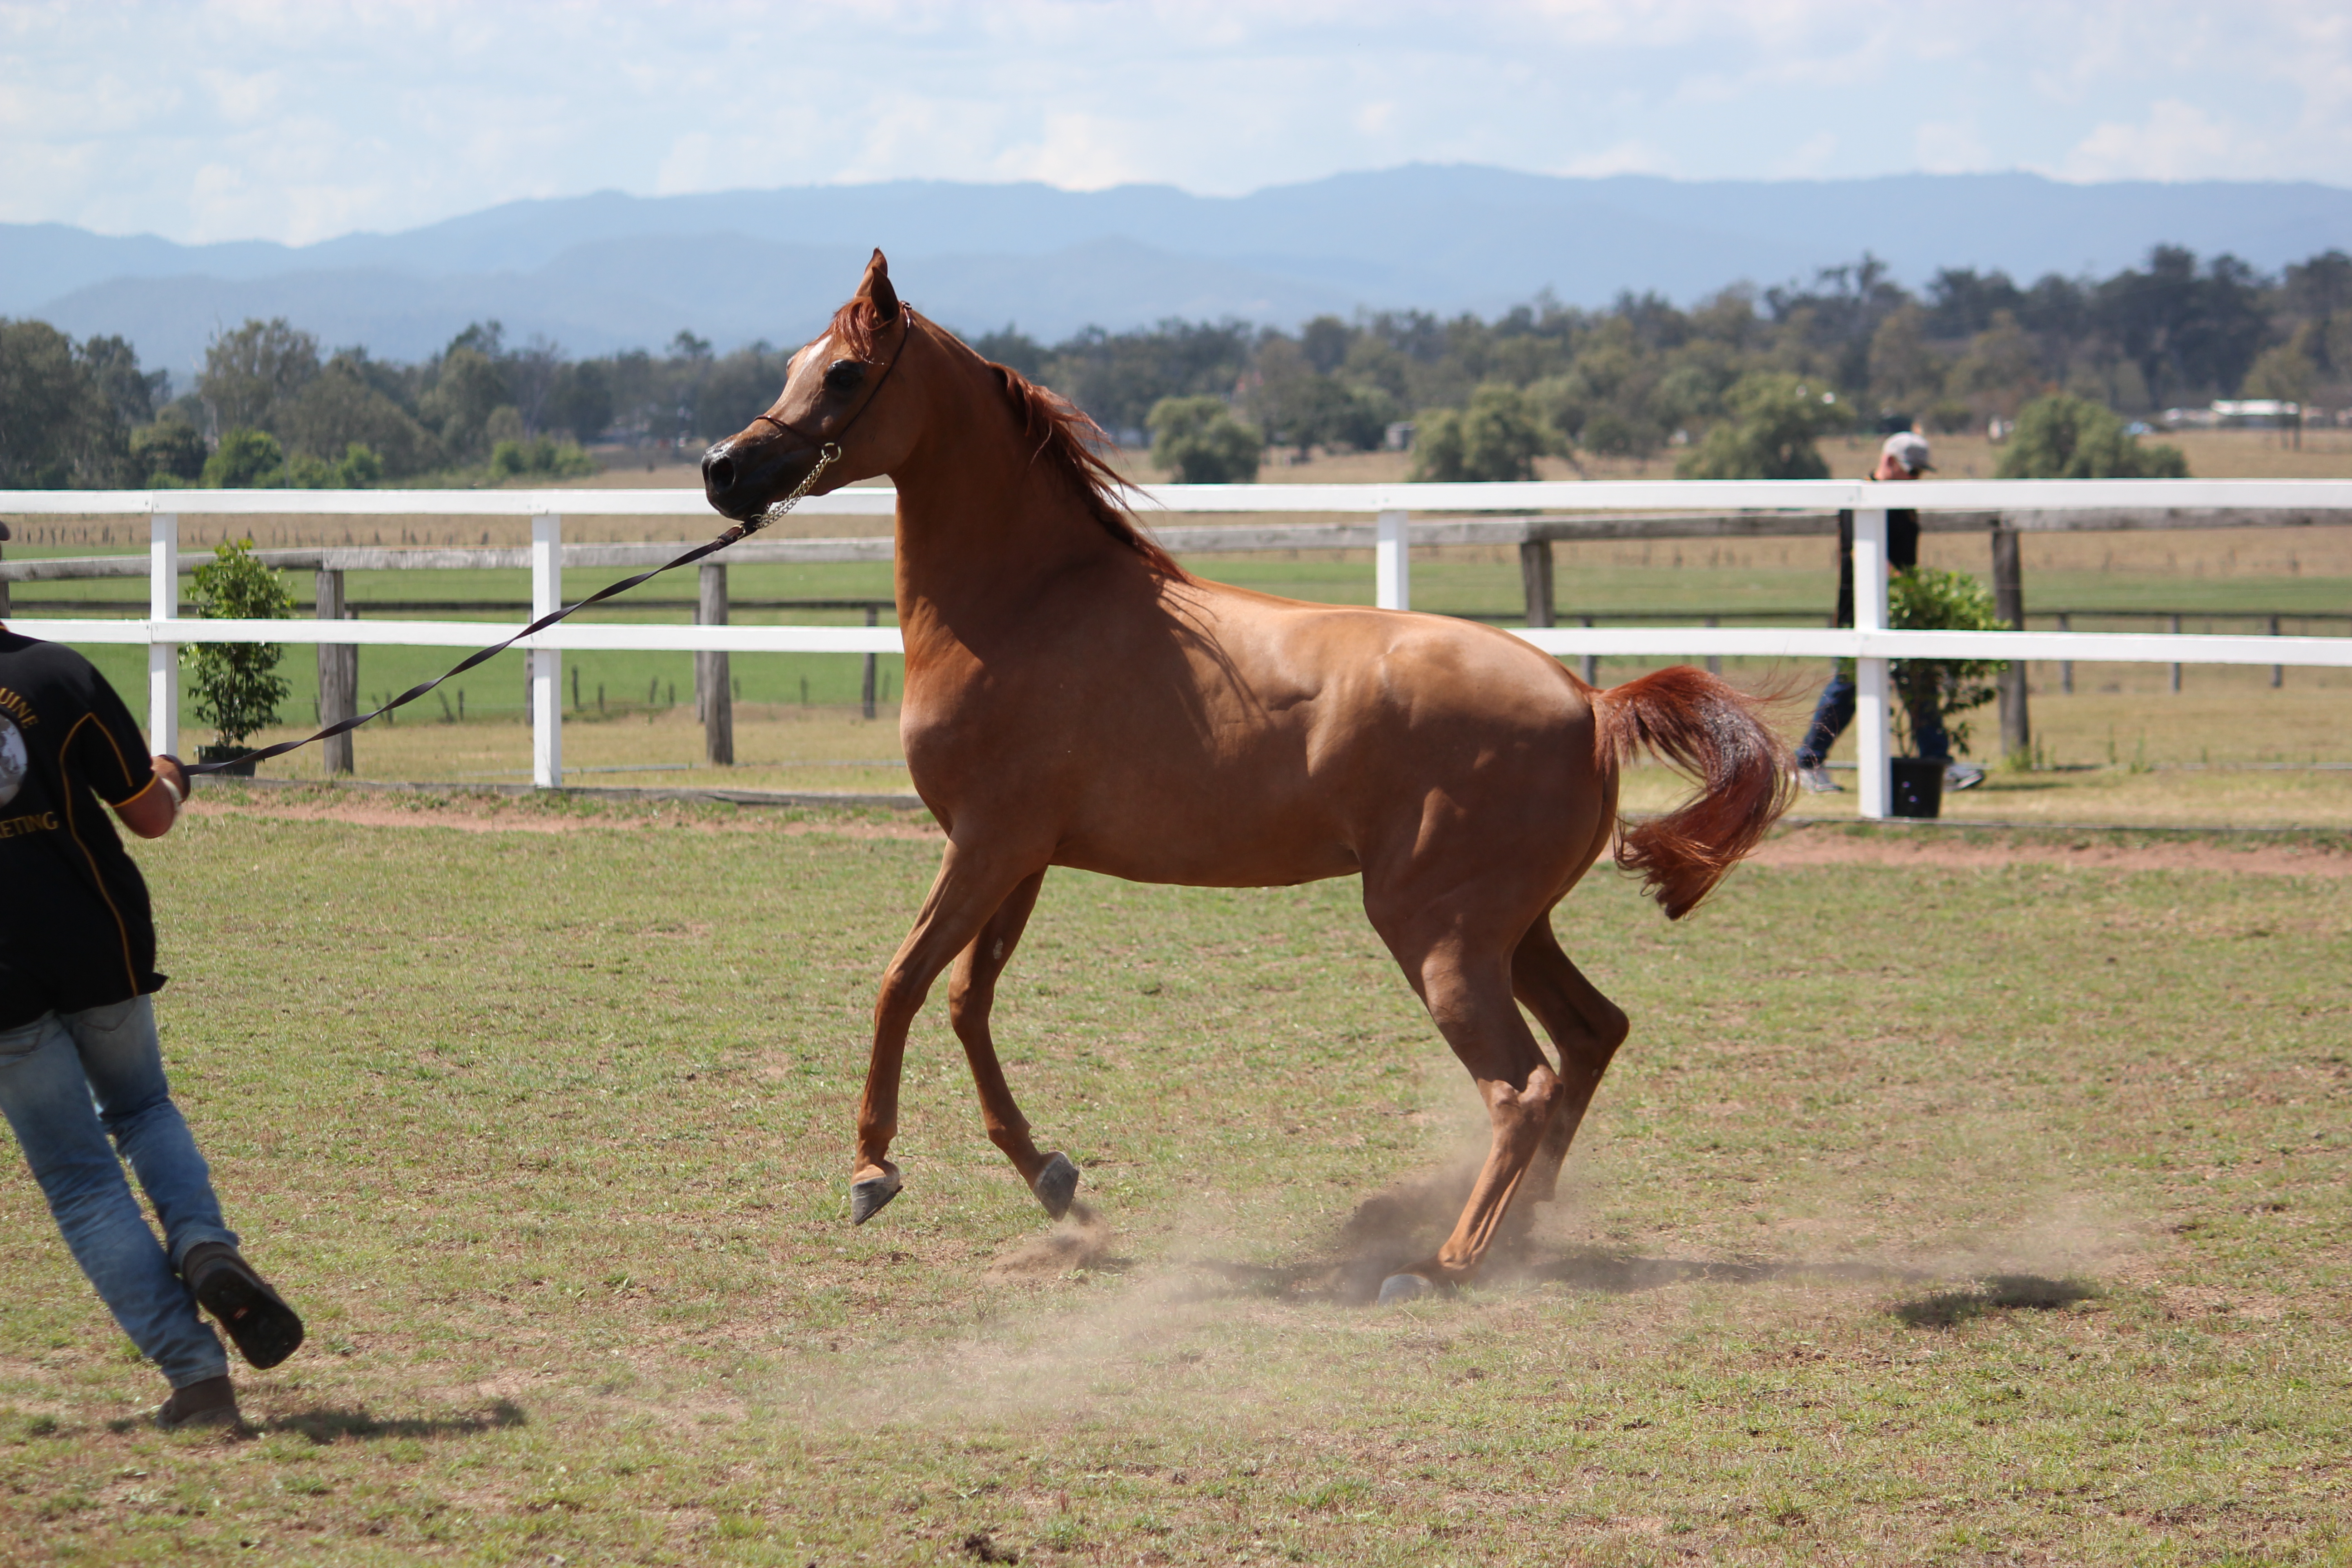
(540, 458)
(1775, 419)
(1497, 438)
(1923, 598)
(2062, 438)
(245, 460)
(1199, 440)
(238, 686)
(252, 459)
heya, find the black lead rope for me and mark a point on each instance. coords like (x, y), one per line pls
(828, 453)
(825, 459)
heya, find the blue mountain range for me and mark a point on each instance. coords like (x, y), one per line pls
(607, 272)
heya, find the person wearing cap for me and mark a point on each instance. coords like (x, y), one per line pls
(1903, 457)
(79, 1060)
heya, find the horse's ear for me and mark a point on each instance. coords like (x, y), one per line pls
(876, 287)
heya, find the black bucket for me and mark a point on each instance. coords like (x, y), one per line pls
(236, 769)
(1918, 787)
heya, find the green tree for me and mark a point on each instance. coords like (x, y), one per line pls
(1776, 417)
(1497, 438)
(1924, 598)
(340, 407)
(2063, 437)
(245, 460)
(579, 400)
(251, 373)
(168, 452)
(238, 687)
(1199, 440)
(468, 387)
(59, 428)
(2285, 370)
(114, 364)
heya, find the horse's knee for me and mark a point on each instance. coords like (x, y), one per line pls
(900, 997)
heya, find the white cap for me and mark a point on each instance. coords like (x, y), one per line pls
(1909, 448)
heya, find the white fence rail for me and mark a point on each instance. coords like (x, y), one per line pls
(2030, 505)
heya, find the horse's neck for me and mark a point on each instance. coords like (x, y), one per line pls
(981, 527)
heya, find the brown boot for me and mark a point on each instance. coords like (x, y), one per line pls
(266, 1329)
(212, 1403)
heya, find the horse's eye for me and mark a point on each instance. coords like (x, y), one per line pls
(842, 375)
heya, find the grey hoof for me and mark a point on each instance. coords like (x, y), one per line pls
(1401, 1287)
(868, 1197)
(1057, 1185)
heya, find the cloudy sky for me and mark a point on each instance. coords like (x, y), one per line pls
(243, 119)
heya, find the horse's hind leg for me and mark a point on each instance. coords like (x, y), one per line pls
(1585, 1027)
(1467, 990)
(972, 993)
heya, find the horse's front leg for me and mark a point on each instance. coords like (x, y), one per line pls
(972, 993)
(971, 886)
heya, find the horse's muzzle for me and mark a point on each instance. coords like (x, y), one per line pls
(741, 478)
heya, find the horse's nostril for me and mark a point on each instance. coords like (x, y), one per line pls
(721, 473)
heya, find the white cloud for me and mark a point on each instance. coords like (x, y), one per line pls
(2174, 140)
(1809, 159)
(1624, 158)
(1950, 147)
(215, 118)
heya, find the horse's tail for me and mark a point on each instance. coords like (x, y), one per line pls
(1716, 733)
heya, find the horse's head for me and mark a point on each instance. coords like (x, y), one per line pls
(833, 405)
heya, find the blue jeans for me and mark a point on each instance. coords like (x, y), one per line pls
(1835, 712)
(67, 1081)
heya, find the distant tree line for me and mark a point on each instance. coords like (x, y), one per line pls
(1740, 384)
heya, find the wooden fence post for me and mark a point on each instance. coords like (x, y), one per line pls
(1592, 671)
(1714, 660)
(2175, 629)
(865, 695)
(1535, 574)
(339, 679)
(2009, 604)
(2066, 666)
(714, 691)
(2278, 671)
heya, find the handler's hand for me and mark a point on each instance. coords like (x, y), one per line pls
(151, 812)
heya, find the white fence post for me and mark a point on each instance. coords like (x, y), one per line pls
(546, 664)
(1393, 569)
(163, 658)
(1871, 739)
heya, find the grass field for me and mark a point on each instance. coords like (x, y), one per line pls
(1974, 1202)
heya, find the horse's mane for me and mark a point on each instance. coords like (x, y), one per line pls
(1062, 436)
(1057, 431)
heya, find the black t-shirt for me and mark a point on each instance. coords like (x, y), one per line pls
(76, 930)
(1902, 553)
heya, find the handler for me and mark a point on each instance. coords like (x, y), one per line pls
(1903, 456)
(79, 1055)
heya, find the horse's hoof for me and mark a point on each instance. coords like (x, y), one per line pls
(1057, 1185)
(868, 1197)
(1398, 1289)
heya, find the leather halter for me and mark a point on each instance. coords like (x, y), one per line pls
(906, 330)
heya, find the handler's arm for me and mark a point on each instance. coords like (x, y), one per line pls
(151, 812)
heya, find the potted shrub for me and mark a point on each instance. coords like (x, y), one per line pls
(238, 686)
(1926, 599)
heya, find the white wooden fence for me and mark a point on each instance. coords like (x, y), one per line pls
(2027, 505)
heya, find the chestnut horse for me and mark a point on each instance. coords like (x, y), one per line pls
(1074, 698)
